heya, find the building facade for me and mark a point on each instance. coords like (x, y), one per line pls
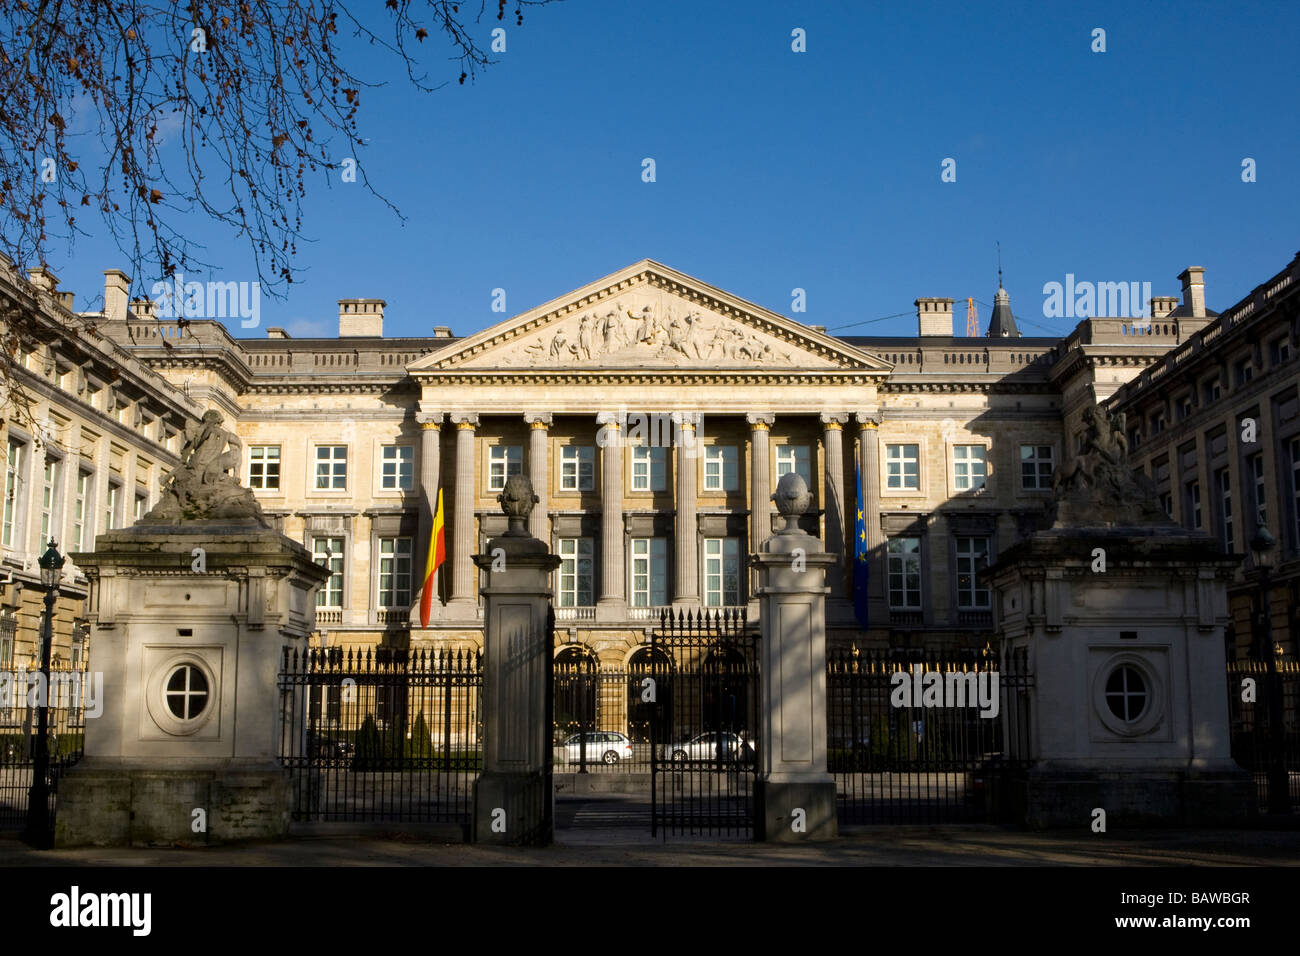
(654, 414)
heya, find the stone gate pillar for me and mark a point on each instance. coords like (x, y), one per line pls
(192, 610)
(795, 796)
(513, 797)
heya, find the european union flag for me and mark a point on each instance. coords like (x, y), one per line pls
(859, 554)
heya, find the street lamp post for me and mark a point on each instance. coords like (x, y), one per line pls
(1262, 546)
(37, 832)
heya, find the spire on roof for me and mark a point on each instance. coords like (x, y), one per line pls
(1003, 323)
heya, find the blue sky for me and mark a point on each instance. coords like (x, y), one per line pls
(818, 170)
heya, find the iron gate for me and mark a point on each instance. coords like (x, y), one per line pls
(22, 695)
(703, 674)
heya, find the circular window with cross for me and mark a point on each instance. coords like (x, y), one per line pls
(1127, 695)
(182, 694)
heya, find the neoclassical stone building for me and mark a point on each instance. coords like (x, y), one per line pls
(654, 414)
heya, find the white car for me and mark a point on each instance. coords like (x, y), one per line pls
(724, 747)
(602, 746)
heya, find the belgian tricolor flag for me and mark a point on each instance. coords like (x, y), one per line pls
(437, 555)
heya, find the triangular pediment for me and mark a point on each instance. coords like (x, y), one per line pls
(650, 318)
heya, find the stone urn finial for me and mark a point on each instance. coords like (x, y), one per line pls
(792, 500)
(517, 502)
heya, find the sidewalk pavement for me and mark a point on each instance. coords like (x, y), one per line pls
(892, 846)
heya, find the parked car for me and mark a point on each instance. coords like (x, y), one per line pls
(602, 746)
(328, 749)
(727, 747)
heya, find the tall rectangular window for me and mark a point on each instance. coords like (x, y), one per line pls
(796, 458)
(14, 495)
(721, 572)
(649, 572)
(721, 472)
(1243, 372)
(1192, 503)
(50, 499)
(1279, 350)
(1295, 487)
(904, 557)
(972, 557)
(1257, 486)
(141, 504)
(264, 467)
(79, 512)
(328, 552)
(504, 461)
(903, 467)
(577, 468)
(331, 467)
(1224, 482)
(397, 468)
(970, 467)
(112, 514)
(576, 572)
(1167, 502)
(394, 572)
(1211, 390)
(649, 468)
(6, 648)
(1037, 463)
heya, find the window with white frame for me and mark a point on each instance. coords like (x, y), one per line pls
(141, 504)
(970, 467)
(328, 553)
(1224, 482)
(649, 572)
(972, 557)
(649, 468)
(904, 565)
(79, 510)
(577, 468)
(264, 467)
(1211, 390)
(50, 498)
(504, 461)
(903, 467)
(796, 458)
(721, 572)
(1257, 481)
(397, 468)
(721, 472)
(1243, 371)
(15, 495)
(1280, 350)
(112, 514)
(1192, 502)
(331, 467)
(1167, 502)
(394, 572)
(576, 568)
(1037, 463)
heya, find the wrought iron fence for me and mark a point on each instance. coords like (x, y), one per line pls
(1268, 752)
(601, 717)
(20, 700)
(927, 737)
(387, 735)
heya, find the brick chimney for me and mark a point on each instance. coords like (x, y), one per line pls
(1194, 290)
(117, 295)
(361, 317)
(934, 316)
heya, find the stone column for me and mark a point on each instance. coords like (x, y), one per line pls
(869, 461)
(833, 440)
(430, 478)
(612, 605)
(462, 603)
(795, 794)
(539, 472)
(936, 587)
(760, 482)
(513, 796)
(685, 547)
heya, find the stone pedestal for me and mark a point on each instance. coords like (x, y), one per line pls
(190, 622)
(1123, 631)
(513, 798)
(795, 798)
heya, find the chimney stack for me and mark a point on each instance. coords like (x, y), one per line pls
(142, 308)
(1162, 305)
(442, 332)
(117, 294)
(1194, 291)
(934, 316)
(361, 317)
(43, 279)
